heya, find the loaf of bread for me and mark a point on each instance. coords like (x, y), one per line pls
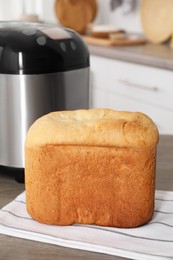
(92, 166)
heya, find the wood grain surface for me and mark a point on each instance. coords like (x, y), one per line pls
(157, 19)
(76, 14)
(19, 249)
(113, 42)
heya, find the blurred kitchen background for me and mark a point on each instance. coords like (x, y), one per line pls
(133, 75)
(123, 13)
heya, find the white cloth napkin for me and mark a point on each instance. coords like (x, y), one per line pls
(151, 241)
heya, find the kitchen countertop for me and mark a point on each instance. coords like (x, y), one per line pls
(159, 56)
(19, 249)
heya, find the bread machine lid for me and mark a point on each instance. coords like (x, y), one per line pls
(36, 48)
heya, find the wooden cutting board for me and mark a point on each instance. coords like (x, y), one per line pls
(113, 42)
(157, 19)
(76, 14)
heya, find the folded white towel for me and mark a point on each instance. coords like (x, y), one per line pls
(151, 241)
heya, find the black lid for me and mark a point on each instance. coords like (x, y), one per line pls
(35, 48)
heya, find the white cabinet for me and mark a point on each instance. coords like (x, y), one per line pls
(127, 86)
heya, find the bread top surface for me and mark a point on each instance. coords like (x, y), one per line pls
(93, 127)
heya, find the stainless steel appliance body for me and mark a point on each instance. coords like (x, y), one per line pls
(28, 91)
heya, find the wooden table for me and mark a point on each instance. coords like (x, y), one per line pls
(19, 249)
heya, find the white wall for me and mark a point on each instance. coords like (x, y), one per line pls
(12, 9)
(130, 22)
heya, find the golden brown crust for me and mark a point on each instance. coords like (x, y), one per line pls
(94, 127)
(94, 185)
(91, 166)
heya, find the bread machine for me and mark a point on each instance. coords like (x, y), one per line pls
(43, 68)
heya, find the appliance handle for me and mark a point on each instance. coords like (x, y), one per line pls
(134, 84)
